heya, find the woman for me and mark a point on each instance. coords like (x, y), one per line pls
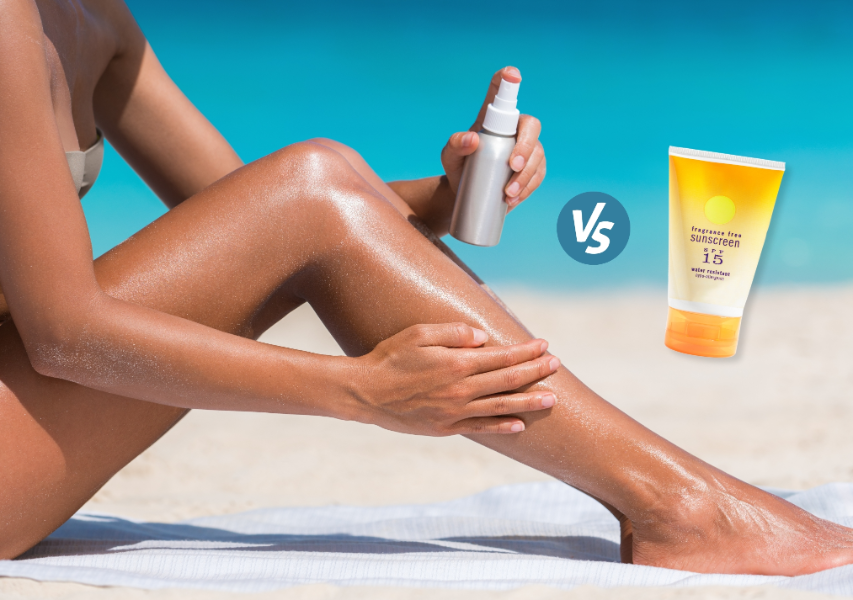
(99, 359)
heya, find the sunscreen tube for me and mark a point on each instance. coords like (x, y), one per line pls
(719, 211)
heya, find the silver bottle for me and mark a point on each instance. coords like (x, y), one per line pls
(478, 216)
(480, 209)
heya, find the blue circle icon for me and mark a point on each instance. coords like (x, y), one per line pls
(593, 228)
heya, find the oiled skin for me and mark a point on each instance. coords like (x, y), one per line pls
(99, 361)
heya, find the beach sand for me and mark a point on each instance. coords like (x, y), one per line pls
(777, 415)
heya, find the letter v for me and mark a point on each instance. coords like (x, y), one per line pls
(581, 232)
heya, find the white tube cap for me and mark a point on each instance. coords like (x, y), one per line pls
(501, 114)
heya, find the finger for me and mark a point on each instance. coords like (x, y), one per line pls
(533, 184)
(450, 335)
(461, 144)
(453, 154)
(529, 129)
(512, 378)
(510, 404)
(512, 75)
(484, 360)
(477, 425)
(520, 181)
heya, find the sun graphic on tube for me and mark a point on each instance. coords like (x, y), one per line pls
(720, 210)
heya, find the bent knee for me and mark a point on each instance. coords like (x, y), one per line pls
(311, 168)
(310, 159)
(320, 180)
(347, 152)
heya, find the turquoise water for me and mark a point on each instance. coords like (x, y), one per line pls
(614, 83)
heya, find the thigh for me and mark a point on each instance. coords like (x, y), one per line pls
(59, 443)
(219, 259)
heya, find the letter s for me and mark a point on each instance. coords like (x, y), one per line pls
(603, 240)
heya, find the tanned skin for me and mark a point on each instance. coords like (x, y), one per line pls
(98, 359)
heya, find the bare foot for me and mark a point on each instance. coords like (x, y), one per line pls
(737, 528)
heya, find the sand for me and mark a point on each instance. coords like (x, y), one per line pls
(776, 415)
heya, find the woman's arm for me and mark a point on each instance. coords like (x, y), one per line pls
(152, 124)
(432, 198)
(72, 330)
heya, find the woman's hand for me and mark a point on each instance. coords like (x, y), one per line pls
(435, 380)
(527, 159)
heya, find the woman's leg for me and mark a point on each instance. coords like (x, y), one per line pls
(357, 162)
(675, 510)
(303, 225)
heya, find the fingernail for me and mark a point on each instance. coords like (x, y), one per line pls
(468, 139)
(512, 201)
(512, 191)
(543, 346)
(548, 400)
(554, 363)
(517, 163)
(516, 427)
(512, 71)
(479, 336)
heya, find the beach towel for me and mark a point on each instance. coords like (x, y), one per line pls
(510, 536)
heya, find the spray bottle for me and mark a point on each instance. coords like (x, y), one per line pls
(478, 216)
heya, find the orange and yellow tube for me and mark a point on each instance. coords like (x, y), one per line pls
(720, 207)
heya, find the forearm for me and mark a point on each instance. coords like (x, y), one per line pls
(431, 199)
(133, 351)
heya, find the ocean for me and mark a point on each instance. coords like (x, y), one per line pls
(614, 84)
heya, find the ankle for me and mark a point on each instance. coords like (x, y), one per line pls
(693, 506)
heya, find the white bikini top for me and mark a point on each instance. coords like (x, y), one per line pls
(85, 165)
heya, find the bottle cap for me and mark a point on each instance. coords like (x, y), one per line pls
(702, 335)
(501, 114)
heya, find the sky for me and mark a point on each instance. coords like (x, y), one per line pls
(614, 84)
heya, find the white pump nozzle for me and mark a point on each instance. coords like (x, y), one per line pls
(501, 114)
